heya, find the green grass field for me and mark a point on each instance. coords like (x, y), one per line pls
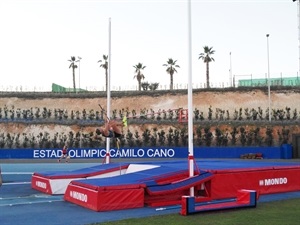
(285, 212)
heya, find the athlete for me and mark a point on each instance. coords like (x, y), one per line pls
(111, 129)
(64, 154)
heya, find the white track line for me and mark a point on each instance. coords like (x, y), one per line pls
(34, 196)
(31, 199)
(29, 203)
(16, 183)
(10, 173)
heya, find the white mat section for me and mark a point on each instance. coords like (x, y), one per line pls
(132, 168)
(59, 186)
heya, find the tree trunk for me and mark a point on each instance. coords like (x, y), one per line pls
(74, 86)
(171, 82)
(207, 75)
(140, 85)
(106, 79)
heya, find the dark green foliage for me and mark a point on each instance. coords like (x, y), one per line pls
(227, 115)
(196, 114)
(234, 133)
(283, 136)
(114, 114)
(260, 113)
(199, 140)
(153, 86)
(138, 141)
(267, 114)
(184, 136)
(220, 114)
(25, 141)
(146, 137)
(243, 136)
(225, 139)
(249, 138)
(235, 115)
(219, 136)
(295, 114)
(170, 137)
(133, 112)
(247, 114)
(254, 114)
(288, 113)
(152, 114)
(171, 114)
(76, 140)
(129, 138)
(208, 136)
(143, 114)
(240, 117)
(158, 116)
(153, 138)
(269, 136)
(161, 138)
(258, 140)
(210, 112)
(174, 137)
(145, 86)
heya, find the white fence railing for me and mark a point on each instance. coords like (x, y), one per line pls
(26, 88)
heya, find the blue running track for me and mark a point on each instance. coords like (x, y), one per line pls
(20, 204)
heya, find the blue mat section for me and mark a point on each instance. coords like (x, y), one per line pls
(240, 164)
(83, 171)
(167, 166)
(180, 184)
(134, 178)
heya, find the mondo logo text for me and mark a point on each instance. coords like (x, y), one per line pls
(273, 181)
(41, 184)
(79, 196)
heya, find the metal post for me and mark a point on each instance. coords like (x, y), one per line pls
(79, 58)
(269, 91)
(298, 14)
(190, 99)
(230, 74)
(107, 159)
(234, 81)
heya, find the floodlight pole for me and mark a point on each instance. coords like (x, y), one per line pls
(230, 71)
(298, 14)
(79, 58)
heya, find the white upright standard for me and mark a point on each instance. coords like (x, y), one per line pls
(190, 99)
(107, 157)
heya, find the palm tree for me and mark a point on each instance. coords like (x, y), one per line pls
(171, 70)
(139, 76)
(105, 66)
(74, 66)
(206, 57)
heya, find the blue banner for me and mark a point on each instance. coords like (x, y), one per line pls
(94, 153)
(284, 152)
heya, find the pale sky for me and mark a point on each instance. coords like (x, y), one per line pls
(38, 37)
